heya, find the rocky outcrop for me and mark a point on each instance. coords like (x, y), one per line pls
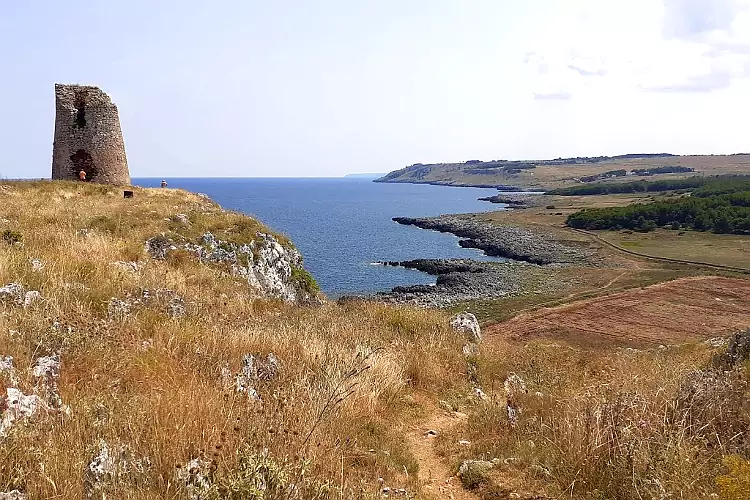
(110, 469)
(265, 263)
(457, 280)
(17, 407)
(502, 241)
(460, 280)
(467, 324)
(514, 201)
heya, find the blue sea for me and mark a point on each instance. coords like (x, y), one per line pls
(343, 226)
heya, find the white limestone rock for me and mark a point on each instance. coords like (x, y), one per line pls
(176, 307)
(117, 309)
(31, 297)
(467, 324)
(194, 478)
(8, 373)
(264, 262)
(12, 495)
(110, 468)
(158, 247)
(255, 370)
(18, 407)
(47, 372)
(13, 292)
(182, 219)
(272, 267)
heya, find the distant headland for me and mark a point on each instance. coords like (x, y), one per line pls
(525, 175)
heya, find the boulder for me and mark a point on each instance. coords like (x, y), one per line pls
(467, 324)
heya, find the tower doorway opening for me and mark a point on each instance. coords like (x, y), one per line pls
(82, 161)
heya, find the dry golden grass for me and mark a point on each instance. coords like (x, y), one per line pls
(153, 383)
(607, 424)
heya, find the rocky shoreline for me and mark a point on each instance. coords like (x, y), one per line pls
(514, 200)
(459, 280)
(511, 242)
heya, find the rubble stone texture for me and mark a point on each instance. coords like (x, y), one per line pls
(88, 137)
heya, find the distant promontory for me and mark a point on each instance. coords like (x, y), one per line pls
(543, 175)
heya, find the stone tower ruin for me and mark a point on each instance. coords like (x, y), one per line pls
(88, 137)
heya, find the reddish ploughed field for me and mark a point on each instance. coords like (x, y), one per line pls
(667, 313)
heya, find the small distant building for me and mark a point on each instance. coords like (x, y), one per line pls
(88, 137)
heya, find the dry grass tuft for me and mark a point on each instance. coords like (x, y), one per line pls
(623, 423)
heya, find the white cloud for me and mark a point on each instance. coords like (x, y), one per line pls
(674, 46)
(560, 96)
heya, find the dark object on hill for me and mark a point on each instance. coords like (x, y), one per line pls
(127, 194)
(88, 137)
(605, 175)
(511, 201)
(668, 169)
(12, 237)
(738, 351)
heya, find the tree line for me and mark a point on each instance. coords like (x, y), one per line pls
(687, 183)
(721, 206)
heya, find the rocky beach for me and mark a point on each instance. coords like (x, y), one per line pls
(511, 242)
(531, 255)
(465, 279)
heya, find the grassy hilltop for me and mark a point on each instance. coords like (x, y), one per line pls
(156, 395)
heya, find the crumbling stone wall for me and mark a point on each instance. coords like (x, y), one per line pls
(88, 137)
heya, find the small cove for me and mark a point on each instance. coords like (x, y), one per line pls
(343, 225)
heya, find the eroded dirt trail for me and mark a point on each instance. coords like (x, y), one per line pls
(435, 477)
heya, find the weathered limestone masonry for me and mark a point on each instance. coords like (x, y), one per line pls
(88, 137)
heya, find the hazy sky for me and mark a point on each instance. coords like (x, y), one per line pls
(304, 88)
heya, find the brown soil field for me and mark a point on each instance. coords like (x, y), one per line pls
(666, 313)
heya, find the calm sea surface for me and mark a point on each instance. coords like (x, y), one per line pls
(343, 225)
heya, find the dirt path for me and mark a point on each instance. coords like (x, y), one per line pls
(435, 477)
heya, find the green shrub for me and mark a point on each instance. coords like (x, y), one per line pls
(305, 280)
(475, 473)
(263, 477)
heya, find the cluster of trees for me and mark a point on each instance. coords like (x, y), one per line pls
(605, 175)
(669, 169)
(723, 185)
(635, 186)
(718, 212)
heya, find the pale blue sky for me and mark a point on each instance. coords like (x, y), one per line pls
(305, 88)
